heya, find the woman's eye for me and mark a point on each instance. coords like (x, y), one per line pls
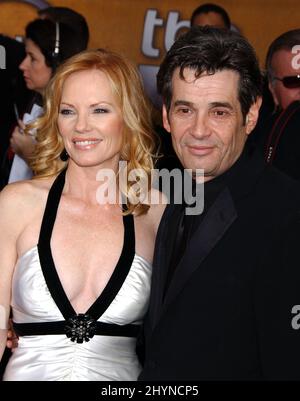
(66, 112)
(100, 110)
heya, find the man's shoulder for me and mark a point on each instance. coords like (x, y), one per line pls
(277, 196)
(277, 182)
(267, 179)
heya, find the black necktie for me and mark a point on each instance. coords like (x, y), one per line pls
(182, 226)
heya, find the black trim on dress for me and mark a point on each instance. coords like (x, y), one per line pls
(79, 327)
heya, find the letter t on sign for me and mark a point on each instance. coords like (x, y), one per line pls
(150, 23)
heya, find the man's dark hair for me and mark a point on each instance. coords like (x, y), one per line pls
(209, 50)
(68, 17)
(285, 41)
(43, 33)
(208, 8)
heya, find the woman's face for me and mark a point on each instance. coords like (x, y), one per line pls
(90, 120)
(36, 73)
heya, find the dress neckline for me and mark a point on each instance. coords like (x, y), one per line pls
(35, 248)
(49, 270)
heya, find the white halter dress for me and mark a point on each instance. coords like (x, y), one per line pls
(54, 342)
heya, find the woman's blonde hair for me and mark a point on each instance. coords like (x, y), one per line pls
(138, 146)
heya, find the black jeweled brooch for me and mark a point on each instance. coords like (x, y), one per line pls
(80, 328)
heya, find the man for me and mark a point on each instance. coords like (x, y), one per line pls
(281, 62)
(277, 133)
(224, 306)
(210, 14)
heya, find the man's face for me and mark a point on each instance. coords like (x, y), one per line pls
(282, 67)
(206, 122)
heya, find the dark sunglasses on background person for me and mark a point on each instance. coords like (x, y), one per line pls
(290, 82)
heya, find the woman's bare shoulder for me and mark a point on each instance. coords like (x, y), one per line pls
(19, 197)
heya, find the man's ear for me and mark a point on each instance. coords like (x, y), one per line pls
(252, 116)
(165, 118)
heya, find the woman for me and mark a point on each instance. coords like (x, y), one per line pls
(95, 114)
(47, 44)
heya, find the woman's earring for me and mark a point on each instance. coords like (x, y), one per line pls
(64, 155)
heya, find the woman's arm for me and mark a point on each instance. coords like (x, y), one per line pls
(10, 223)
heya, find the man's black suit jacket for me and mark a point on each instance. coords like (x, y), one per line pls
(280, 131)
(230, 310)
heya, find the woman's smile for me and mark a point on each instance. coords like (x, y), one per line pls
(86, 144)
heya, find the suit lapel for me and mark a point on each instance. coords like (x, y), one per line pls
(214, 225)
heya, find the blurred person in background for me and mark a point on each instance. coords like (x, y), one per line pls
(14, 93)
(68, 17)
(211, 14)
(283, 70)
(277, 133)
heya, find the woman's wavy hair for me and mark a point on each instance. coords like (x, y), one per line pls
(139, 143)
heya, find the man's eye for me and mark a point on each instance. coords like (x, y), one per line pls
(220, 113)
(66, 112)
(183, 110)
